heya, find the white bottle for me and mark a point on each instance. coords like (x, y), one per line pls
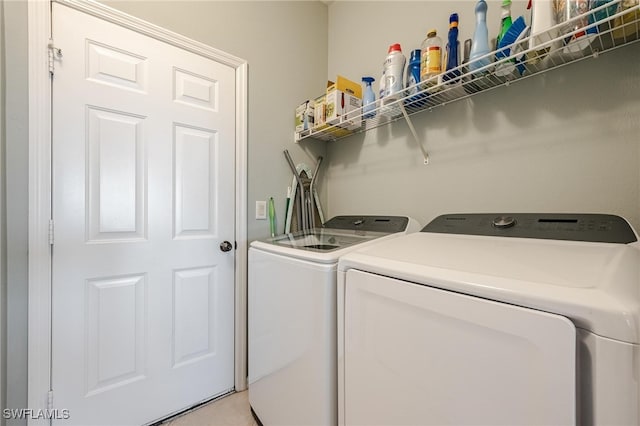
(394, 73)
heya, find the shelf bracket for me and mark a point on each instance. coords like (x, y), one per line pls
(425, 155)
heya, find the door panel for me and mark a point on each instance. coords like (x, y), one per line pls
(420, 355)
(143, 298)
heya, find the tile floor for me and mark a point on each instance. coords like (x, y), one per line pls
(232, 410)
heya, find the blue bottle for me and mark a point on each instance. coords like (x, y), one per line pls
(369, 98)
(480, 45)
(453, 50)
(413, 78)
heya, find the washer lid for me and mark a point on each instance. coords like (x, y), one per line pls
(324, 240)
(596, 285)
(339, 235)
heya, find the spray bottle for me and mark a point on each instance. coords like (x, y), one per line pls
(369, 98)
(480, 45)
(504, 68)
(506, 20)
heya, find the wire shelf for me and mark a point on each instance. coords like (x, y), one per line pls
(600, 30)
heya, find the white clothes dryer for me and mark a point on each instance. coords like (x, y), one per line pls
(292, 330)
(490, 319)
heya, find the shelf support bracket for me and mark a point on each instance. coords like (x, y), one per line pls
(425, 155)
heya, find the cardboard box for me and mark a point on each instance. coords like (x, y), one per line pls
(345, 85)
(344, 103)
(305, 116)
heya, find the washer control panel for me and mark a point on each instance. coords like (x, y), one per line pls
(389, 224)
(562, 226)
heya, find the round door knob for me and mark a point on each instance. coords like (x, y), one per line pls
(226, 246)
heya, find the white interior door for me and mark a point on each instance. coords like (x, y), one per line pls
(417, 355)
(143, 196)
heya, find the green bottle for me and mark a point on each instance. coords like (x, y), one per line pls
(506, 21)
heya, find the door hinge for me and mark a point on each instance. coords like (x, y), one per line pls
(54, 53)
(50, 400)
(50, 231)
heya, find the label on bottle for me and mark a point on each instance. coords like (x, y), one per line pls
(433, 60)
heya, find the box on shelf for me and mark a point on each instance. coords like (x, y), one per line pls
(305, 116)
(319, 112)
(344, 103)
(345, 85)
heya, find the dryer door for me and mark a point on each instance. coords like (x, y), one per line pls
(419, 355)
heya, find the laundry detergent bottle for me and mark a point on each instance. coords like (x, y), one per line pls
(393, 72)
(413, 79)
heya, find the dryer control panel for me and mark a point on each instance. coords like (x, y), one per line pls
(601, 228)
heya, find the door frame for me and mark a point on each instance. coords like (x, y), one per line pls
(40, 186)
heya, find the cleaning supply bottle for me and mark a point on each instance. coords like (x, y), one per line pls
(504, 68)
(452, 51)
(369, 98)
(393, 72)
(543, 28)
(413, 78)
(431, 60)
(506, 22)
(480, 44)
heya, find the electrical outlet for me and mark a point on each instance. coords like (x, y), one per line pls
(261, 210)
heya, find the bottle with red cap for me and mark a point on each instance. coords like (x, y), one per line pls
(394, 73)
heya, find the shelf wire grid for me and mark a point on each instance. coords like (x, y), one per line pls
(602, 29)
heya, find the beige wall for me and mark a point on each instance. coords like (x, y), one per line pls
(566, 141)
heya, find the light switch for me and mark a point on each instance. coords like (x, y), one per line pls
(261, 210)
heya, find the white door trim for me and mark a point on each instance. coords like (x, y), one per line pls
(39, 340)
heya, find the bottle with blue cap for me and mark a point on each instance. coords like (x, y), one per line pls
(369, 98)
(479, 56)
(413, 79)
(452, 51)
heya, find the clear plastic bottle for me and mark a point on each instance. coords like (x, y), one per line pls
(382, 89)
(431, 58)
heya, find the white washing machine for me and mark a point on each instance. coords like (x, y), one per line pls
(487, 319)
(292, 317)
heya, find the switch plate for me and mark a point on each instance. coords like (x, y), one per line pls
(261, 210)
